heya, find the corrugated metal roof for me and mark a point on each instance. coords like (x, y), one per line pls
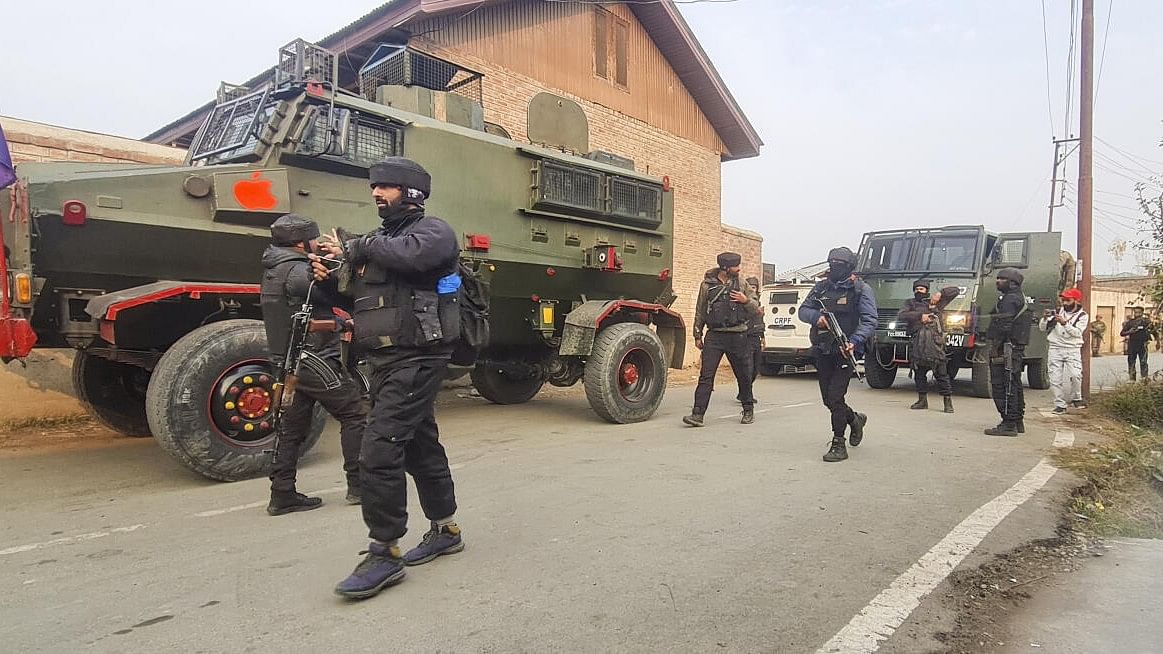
(662, 21)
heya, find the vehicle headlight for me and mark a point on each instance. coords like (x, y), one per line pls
(892, 325)
(956, 319)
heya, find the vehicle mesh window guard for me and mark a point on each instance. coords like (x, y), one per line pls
(368, 141)
(636, 200)
(569, 187)
(231, 127)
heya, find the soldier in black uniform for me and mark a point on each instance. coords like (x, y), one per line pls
(924, 316)
(1137, 330)
(1008, 336)
(324, 379)
(407, 320)
(724, 307)
(852, 302)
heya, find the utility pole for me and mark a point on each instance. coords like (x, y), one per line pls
(1054, 204)
(1085, 172)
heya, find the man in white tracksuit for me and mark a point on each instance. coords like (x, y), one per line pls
(1064, 328)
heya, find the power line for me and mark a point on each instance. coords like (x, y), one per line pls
(1133, 158)
(1046, 54)
(1102, 59)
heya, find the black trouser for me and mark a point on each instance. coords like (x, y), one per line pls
(345, 403)
(1139, 354)
(1011, 408)
(940, 376)
(402, 436)
(834, 375)
(737, 347)
(756, 354)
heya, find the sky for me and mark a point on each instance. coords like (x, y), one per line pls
(875, 114)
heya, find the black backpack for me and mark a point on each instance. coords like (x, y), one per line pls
(473, 298)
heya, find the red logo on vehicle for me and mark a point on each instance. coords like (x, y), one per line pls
(255, 193)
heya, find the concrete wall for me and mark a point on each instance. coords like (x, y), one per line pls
(1114, 299)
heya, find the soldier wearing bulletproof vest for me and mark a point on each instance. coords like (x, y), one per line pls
(323, 380)
(1008, 335)
(924, 318)
(404, 280)
(724, 308)
(851, 301)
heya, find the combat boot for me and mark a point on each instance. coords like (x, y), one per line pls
(922, 401)
(354, 495)
(1005, 428)
(748, 415)
(283, 502)
(695, 419)
(837, 452)
(439, 540)
(948, 404)
(383, 567)
(857, 424)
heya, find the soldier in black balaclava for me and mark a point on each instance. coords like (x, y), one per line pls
(924, 317)
(324, 378)
(851, 300)
(407, 323)
(1009, 324)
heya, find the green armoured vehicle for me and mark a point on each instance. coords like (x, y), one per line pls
(967, 257)
(151, 272)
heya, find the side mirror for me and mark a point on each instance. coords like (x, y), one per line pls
(338, 132)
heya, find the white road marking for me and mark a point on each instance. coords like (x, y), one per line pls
(69, 539)
(888, 610)
(254, 505)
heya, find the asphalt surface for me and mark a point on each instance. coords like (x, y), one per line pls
(581, 536)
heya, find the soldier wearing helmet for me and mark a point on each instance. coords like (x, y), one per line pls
(326, 381)
(1064, 329)
(1008, 335)
(851, 300)
(407, 322)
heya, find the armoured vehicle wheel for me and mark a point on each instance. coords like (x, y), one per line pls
(112, 392)
(500, 388)
(1038, 374)
(209, 401)
(981, 379)
(877, 375)
(625, 375)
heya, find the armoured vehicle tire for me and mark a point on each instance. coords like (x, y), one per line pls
(1038, 374)
(112, 392)
(877, 375)
(981, 383)
(625, 375)
(498, 388)
(180, 394)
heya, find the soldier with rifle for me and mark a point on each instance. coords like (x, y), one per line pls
(309, 361)
(842, 312)
(1008, 335)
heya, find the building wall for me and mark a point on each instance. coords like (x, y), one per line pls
(29, 141)
(693, 166)
(1114, 300)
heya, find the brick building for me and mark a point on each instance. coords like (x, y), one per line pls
(647, 89)
(29, 141)
(1114, 298)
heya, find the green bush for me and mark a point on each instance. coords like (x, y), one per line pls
(1138, 403)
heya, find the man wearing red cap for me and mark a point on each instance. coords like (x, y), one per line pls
(1064, 329)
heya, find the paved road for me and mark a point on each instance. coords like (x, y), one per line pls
(582, 536)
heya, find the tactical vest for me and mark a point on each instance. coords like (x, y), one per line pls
(278, 307)
(396, 310)
(1020, 329)
(722, 311)
(845, 303)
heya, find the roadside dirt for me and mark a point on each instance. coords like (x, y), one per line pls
(75, 433)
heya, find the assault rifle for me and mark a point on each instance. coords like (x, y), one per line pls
(296, 357)
(841, 338)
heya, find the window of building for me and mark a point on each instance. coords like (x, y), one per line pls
(611, 47)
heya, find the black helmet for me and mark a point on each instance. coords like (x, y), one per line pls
(923, 282)
(1012, 275)
(405, 173)
(291, 229)
(842, 254)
